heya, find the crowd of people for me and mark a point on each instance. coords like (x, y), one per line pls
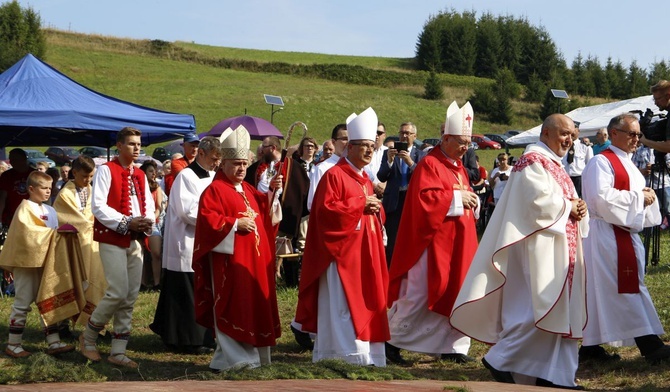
(390, 256)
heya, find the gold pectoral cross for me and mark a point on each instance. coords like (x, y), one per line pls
(250, 213)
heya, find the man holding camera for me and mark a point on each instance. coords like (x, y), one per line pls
(398, 164)
(661, 93)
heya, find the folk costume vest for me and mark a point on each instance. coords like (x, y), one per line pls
(119, 199)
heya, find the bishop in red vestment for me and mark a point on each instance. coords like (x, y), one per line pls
(344, 279)
(233, 263)
(437, 240)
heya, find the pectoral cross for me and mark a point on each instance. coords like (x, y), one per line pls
(461, 187)
(250, 213)
(372, 219)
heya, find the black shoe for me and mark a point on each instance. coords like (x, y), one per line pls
(393, 354)
(499, 376)
(541, 382)
(659, 355)
(596, 353)
(303, 339)
(66, 334)
(457, 358)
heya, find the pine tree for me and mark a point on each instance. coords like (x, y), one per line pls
(20, 34)
(433, 88)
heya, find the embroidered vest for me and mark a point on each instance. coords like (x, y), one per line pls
(119, 199)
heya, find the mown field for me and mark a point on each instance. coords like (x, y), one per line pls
(126, 70)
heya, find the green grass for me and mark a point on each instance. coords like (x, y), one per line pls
(125, 69)
(289, 361)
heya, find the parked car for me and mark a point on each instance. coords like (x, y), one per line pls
(35, 156)
(485, 143)
(94, 152)
(417, 142)
(166, 152)
(502, 139)
(141, 159)
(61, 155)
(512, 133)
(432, 141)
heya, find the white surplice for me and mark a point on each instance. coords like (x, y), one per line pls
(180, 218)
(315, 176)
(616, 318)
(518, 294)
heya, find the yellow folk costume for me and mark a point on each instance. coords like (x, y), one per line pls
(71, 210)
(32, 244)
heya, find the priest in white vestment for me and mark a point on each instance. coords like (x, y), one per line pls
(620, 309)
(174, 320)
(525, 289)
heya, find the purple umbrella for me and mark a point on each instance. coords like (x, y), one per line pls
(258, 128)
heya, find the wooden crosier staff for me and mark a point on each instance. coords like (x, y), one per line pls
(287, 142)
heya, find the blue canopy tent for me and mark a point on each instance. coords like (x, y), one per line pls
(40, 106)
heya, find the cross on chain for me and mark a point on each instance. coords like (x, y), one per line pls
(250, 213)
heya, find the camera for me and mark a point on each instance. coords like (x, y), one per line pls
(653, 130)
(401, 146)
(503, 177)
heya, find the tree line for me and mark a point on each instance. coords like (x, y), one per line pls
(512, 51)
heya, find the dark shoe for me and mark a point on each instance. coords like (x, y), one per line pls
(393, 354)
(302, 338)
(457, 358)
(499, 376)
(65, 333)
(659, 355)
(596, 353)
(541, 382)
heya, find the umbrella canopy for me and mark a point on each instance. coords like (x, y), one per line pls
(258, 128)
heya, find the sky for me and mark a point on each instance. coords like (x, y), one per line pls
(624, 30)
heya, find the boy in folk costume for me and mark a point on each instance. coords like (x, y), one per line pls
(73, 206)
(123, 209)
(31, 252)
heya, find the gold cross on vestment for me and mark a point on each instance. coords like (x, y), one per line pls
(628, 271)
(365, 193)
(250, 213)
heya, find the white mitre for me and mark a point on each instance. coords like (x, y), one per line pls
(459, 121)
(235, 144)
(363, 126)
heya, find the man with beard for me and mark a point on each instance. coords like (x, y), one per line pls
(342, 296)
(294, 188)
(526, 287)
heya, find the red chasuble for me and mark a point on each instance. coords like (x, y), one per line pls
(243, 297)
(333, 236)
(451, 242)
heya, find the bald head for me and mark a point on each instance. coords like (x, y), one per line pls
(557, 131)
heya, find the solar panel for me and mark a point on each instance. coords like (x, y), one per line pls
(273, 100)
(559, 93)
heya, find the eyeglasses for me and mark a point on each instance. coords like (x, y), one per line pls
(369, 146)
(379, 133)
(343, 138)
(406, 133)
(631, 134)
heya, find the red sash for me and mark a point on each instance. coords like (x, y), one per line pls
(627, 261)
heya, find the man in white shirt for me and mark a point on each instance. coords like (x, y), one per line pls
(576, 159)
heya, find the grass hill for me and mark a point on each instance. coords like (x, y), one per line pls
(214, 83)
